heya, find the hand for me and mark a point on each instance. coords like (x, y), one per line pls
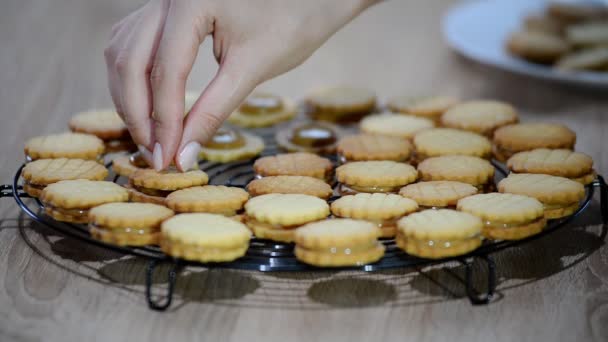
(153, 49)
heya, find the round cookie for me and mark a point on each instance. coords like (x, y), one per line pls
(506, 216)
(570, 12)
(314, 137)
(467, 169)
(586, 59)
(374, 176)
(588, 34)
(262, 109)
(106, 124)
(124, 166)
(381, 209)
(215, 199)
(431, 107)
(204, 237)
(545, 24)
(294, 164)
(480, 116)
(537, 46)
(447, 141)
(340, 104)
(561, 162)
(438, 194)
(362, 147)
(396, 125)
(128, 224)
(151, 186)
(338, 243)
(230, 145)
(290, 185)
(65, 145)
(437, 234)
(511, 139)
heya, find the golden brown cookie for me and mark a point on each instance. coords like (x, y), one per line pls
(535, 46)
(362, 147)
(65, 145)
(314, 137)
(431, 107)
(123, 166)
(151, 186)
(294, 164)
(480, 116)
(263, 109)
(229, 145)
(374, 176)
(395, 125)
(543, 23)
(585, 59)
(511, 139)
(560, 162)
(570, 12)
(467, 169)
(448, 141)
(438, 194)
(340, 104)
(290, 185)
(214, 199)
(103, 123)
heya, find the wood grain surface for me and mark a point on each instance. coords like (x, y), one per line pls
(54, 289)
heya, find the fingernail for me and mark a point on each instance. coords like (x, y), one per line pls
(189, 155)
(145, 153)
(157, 157)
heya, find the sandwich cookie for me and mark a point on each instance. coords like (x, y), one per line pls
(262, 109)
(338, 243)
(65, 145)
(438, 194)
(586, 59)
(294, 164)
(381, 209)
(539, 47)
(480, 116)
(314, 137)
(506, 216)
(126, 165)
(290, 185)
(511, 139)
(277, 216)
(395, 125)
(448, 141)
(436, 234)
(563, 163)
(214, 199)
(362, 147)
(340, 104)
(107, 126)
(228, 145)
(128, 224)
(70, 200)
(204, 237)
(430, 107)
(374, 176)
(151, 186)
(466, 169)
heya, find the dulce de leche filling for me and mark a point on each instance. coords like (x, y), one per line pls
(260, 104)
(152, 192)
(313, 136)
(502, 225)
(350, 250)
(75, 213)
(226, 139)
(345, 189)
(253, 222)
(125, 230)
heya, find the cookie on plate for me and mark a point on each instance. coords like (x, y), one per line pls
(107, 125)
(511, 139)
(42, 172)
(276, 216)
(263, 109)
(214, 199)
(466, 169)
(448, 141)
(543, 23)
(128, 224)
(151, 186)
(395, 125)
(480, 116)
(560, 196)
(314, 137)
(585, 59)
(430, 107)
(374, 176)
(383, 210)
(570, 12)
(362, 147)
(561, 162)
(294, 164)
(290, 185)
(537, 46)
(506, 216)
(436, 234)
(228, 145)
(340, 104)
(204, 237)
(65, 145)
(438, 194)
(338, 243)
(70, 200)
(588, 34)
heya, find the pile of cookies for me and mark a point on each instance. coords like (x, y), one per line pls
(417, 170)
(569, 36)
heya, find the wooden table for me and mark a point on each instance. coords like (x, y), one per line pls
(55, 289)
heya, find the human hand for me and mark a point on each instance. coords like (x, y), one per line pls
(153, 49)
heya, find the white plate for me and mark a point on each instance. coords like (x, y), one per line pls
(478, 29)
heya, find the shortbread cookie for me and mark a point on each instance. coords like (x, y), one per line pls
(506, 216)
(290, 185)
(437, 234)
(467, 169)
(215, 199)
(42, 172)
(438, 194)
(338, 243)
(545, 24)
(262, 109)
(561, 162)
(447, 141)
(314, 137)
(204, 237)
(480, 116)
(65, 145)
(128, 224)
(340, 104)
(151, 186)
(396, 125)
(537, 46)
(103, 123)
(283, 213)
(585, 59)
(381, 209)
(560, 196)
(570, 12)
(70, 200)
(361, 147)
(229, 145)
(588, 34)
(511, 139)
(374, 176)
(124, 166)
(431, 107)
(294, 164)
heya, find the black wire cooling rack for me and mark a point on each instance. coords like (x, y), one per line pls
(270, 256)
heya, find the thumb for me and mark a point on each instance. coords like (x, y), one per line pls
(224, 93)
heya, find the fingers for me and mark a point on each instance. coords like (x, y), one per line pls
(225, 92)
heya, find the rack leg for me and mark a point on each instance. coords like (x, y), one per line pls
(157, 304)
(474, 295)
(601, 183)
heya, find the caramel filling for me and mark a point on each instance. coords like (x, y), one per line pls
(313, 135)
(137, 160)
(125, 230)
(252, 221)
(344, 250)
(350, 189)
(76, 213)
(34, 186)
(443, 244)
(436, 207)
(152, 192)
(226, 139)
(98, 158)
(502, 225)
(343, 160)
(260, 104)
(556, 206)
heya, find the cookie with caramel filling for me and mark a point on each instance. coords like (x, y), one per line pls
(263, 109)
